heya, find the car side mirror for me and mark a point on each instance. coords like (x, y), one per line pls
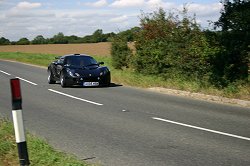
(101, 63)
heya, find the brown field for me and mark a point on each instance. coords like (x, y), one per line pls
(100, 49)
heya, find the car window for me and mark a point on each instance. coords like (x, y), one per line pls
(60, 60)
(79, 61)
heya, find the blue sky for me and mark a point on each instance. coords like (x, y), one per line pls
(82, 17)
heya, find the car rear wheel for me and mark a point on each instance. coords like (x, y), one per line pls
(51, 78)
(63, 81)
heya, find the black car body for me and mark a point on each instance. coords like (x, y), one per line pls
(78, 69)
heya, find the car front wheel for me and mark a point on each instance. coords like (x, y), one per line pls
(50, 78)
(63, 81)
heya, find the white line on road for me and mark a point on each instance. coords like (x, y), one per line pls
(27, 81)
(203, 129)
(5, 72)
(73, 97)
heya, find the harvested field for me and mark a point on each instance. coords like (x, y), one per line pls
(100, 49)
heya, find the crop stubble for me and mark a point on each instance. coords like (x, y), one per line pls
(100, 49)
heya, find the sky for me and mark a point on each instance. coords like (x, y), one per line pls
(30, 18)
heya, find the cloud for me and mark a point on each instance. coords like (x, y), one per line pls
(37, 28)
(127, 3)
(119, 19)
(204, 9)
(204, 13)
(97, 4)
(27, 5)
(29, 14)
(155, 3)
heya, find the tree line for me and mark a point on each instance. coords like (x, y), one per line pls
(60, 38)
(174, 46)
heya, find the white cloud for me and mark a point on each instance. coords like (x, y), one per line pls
(2, 2)
(127, 3)
(29, 14)
(36, 28)
(155, 3)
(119, 19)
(27, 5)
(204, 9)
(98, 4)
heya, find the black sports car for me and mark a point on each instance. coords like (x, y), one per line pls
(78, 69)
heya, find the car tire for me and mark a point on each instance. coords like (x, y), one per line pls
(108, 81)
(51, 78)
(107, 84)
(63, 81)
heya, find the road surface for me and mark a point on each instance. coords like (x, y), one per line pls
(124, 126)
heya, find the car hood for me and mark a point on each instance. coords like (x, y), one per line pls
(90, 71)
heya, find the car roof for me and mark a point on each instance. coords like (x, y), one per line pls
(75, 55)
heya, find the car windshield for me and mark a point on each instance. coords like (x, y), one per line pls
(80, 61)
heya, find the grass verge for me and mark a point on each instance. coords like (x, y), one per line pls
(131, 78)
(40, 153)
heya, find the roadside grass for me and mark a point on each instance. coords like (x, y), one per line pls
(37, 59)
(40, 153)
(132, 78)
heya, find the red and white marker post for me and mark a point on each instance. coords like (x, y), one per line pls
(18, 122)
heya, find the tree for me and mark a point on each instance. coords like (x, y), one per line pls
(73, 39)
(120, 52)
(108, 37)
(87, 39)
(232, 63)
(23, 41)
(4, 41)
(170, 46)
(97, 36)
(130, 34)
(39, 40)
(59, 39)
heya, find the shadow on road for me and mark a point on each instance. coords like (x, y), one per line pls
(112, 85)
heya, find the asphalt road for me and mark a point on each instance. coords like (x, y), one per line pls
(124, 126)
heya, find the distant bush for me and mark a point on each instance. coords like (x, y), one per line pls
(4, 41)
(120, 53)
(23, 41)
(39, 40)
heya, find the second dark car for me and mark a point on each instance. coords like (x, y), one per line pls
(78, 69)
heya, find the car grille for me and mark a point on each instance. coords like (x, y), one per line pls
(91, 79)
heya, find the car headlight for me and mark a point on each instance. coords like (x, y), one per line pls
(72, 73)
(77, 74)
(104, 72)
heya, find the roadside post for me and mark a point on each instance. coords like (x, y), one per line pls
(18, 122)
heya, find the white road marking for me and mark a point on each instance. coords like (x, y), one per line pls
(203, 129)
(27, 81)
(73, 97)
(5, 73)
